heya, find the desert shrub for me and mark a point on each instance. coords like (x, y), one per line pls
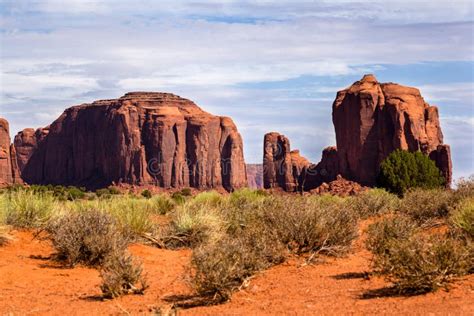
(3, 209)
(374, 202)
(463, 217)
(382, 234)
(419, 265)
(186, 192)
(221, 268)
(121, 275)
(107, 192)
(132, 215)
(192, 224)
(147, 194)
(209, 198)
(464, 189)
(74, 193)
(27, 209)
(313, 225)
(403, 170)
(161, 204)
(246, 195)
(88, 237)
(426, 206)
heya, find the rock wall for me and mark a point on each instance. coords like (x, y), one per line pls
(282, 167)
(371, 120)
(9, 173)
(5, 156)
(140, 138)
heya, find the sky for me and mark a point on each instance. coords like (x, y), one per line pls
(270, 65)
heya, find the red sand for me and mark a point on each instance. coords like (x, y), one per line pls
(30, 284)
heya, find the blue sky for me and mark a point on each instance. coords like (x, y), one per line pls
(270, 65)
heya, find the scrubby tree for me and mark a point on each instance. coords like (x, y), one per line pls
(403, 170)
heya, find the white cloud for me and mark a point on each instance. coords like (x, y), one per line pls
(58, 53)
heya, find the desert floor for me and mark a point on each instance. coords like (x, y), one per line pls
(32, 284)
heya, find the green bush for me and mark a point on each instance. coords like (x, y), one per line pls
(147, 194)
(403, 170)
(374, 202)
(89, 237)
(427, 206)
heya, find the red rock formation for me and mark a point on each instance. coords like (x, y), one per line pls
(442, 157)
(255, 176)
(140, 138)
(6, 176)
(325, 171)
(9, 172)
(340, 187)
(373, 119)
(282, 167)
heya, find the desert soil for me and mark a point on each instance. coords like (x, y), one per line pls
(31, 284)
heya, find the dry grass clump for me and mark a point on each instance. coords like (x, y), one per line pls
(465, 188)
(222, 268)
(93, 238)
(462, 217)
(122, 274)
(313, 225)
(381, 235)
(192, 224)
(374, 202)
(26, 209)
(427, 207)
(86, 237)
(416, 261)
(420, 264)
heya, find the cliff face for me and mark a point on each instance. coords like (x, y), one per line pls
(9, 172)
(282, 167)
(371, 120)
(140, 138)
(5, 156)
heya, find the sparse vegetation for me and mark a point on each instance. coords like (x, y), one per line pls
(427, 206)
(374, 202)
(420, 264)
(88, 237)
(25, 208)
(415, 258)
(463, 217)
(235, 236)
(403, 170)
(122, 274)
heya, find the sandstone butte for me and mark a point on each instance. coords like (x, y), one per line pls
(142, 138)
(371, 120)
